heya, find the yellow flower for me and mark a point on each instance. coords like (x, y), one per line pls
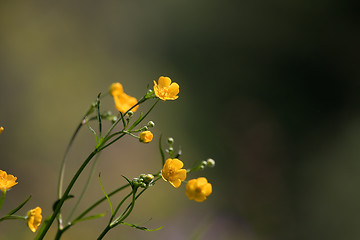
(146, 136)
(166, 90)
(198, 189)
(6, 181)
(123, 102)
(1, 129)
(34, 218)
(173, 173)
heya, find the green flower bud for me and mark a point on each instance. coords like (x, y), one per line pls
(204, 163)
(143, 185)
(170, 140)
(145, 128)
(151, 124)
(210, 163)
(148, 178)
(130, 113)
(171, 149)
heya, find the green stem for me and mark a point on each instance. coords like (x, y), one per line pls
(12, 217)
(93, 167)
(66, 194)
(2, 198)
(106, 230)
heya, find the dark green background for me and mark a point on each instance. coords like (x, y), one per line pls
(269, 89)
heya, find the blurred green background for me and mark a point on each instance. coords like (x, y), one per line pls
(269, 89)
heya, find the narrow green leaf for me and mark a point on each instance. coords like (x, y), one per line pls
(107, 197)
(89, 218)
(19, 207)
(141, 228)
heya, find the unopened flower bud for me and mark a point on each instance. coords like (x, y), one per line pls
(148, 178)
(114, 119)
(151, 124)
(204, 163)
(210, 162)
(143, 185)
(130, 113)
(170, 140)
(145, 137)
(171, 149)
(1, 129)
(145, 128)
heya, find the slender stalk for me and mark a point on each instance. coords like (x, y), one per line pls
(2, 198)
(61, 231)
(106, 230)
(63, 163)
(66, 194)
(93, 167)
(12, 217)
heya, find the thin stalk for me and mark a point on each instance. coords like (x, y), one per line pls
(2, 198)
(66, 194)
(106, 230)
(93, 167)
(12, 217)
(100, 201)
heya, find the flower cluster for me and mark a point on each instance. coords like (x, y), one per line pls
(196, 189)
(124, 123)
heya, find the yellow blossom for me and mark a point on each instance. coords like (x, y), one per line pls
(146, 136)
(198, 189)
(123, 102)
(173, 173)
(166, 90)
(34, 218)
(1, 129)
(6, 181)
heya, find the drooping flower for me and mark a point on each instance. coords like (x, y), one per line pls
(146, 136)
(34, 218)
(198, 189)
(123, 102)
(173, 172)
(166, 90)
(6, 181)
(1, 129)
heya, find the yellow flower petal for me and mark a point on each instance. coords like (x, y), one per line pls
(116, 88)
(164, 82)
(173, 90)
(1, 129)
(124, 102)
